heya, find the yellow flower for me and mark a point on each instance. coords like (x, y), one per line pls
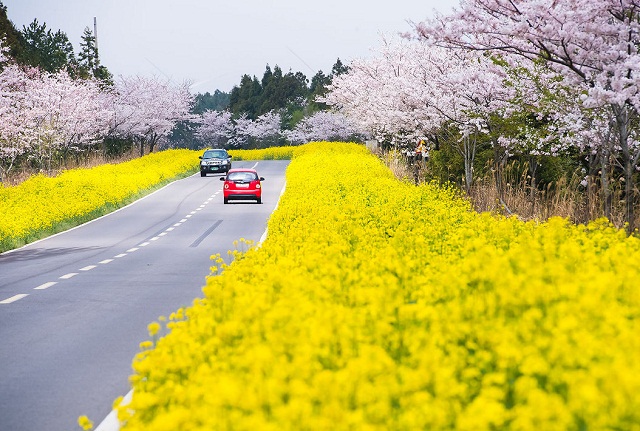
(85, 423)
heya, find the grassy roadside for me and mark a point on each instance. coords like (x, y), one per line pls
(42, 206)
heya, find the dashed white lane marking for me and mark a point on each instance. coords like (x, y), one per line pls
(106, 261)
(46, 285)
(88, 268)
(14, 298)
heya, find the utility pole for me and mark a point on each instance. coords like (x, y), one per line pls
(95, 34)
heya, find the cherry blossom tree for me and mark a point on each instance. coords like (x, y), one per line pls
(324, 126)
(266, 130)
(16, 131)
(590, 43)
(46, 115)
(263, 131)
(215, 127)
(147, 109)
(411, 90)
(69, 115)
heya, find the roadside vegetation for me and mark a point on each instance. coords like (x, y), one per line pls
(375, 303)
(41, 205)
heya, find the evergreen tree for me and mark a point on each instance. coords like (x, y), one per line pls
(88, 57)
(246, 98)
(12, 38)
(45, 49)
(219, 101)
(339, 68)
(89, 60)
(318, 88)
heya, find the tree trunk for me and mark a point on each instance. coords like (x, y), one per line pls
(604, 183)
(533, 183)
(498, 175)
(622, 122)
(469, 155)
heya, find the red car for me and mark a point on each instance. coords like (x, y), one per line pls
(242, 184)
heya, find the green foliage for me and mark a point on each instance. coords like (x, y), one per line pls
(45, 49)
(89, 60)
(218, 101)
(285, 92)
(38, 46)
(445, 165)
(339, 68)
(246, 97)
(12, 38)
(116, 147)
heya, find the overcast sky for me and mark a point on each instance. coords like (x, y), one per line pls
(213, 43)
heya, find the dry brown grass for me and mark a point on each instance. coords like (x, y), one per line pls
(565, 198)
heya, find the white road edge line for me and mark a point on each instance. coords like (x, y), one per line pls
(266, 230)
(96, 219)
(111, 423)
(14, 298)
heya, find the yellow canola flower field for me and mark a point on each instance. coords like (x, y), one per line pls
(271, 153)
(43, 205)
(379, 305)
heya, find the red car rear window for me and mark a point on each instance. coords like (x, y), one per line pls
(242, 176)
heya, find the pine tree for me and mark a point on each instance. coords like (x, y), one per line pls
(89, 60)
(45, 49)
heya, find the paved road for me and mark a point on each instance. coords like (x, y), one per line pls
(66, 347)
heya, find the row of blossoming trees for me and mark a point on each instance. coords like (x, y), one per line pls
(49, 117)
(530, 77)
(219, 128)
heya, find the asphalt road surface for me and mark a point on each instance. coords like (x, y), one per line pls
(74, 307)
